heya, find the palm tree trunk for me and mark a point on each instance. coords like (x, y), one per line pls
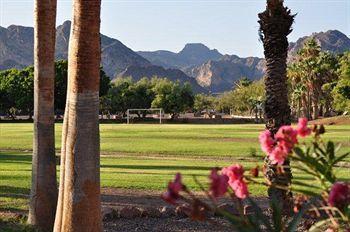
(315, 104)
(79, 205)
(43, 197)
(305, 105)
(275, 25)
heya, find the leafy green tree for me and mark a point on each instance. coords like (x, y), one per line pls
(119, 95)
(174, 98)
(244, 99)
(203, 102)
(126, 94)
(61, 67)
(17, 89)
(61, 84)
(341, 92)
(141, 95)
(5, 91)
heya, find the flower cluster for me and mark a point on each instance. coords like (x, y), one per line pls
(218, 183)
(279, 146)
(173, 192)
(235, 175)
(231, 176)
(339, 195)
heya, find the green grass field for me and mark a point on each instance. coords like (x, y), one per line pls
(146, 156)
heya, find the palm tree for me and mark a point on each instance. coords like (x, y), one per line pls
(78, 207)
(43, 197)
(309, 62)
(275, 25)
(299, 90)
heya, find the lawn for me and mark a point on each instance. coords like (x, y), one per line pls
(145, 156)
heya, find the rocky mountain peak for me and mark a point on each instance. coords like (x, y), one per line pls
(331, 40)
(197, 53)
(194, 48)
(17, 43)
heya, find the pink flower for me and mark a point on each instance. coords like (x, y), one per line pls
(236, 182)
(302, 128)
(287, 138)
(266, 141)
(241, 189)
(174, 188)
(234, 172)
(219, 183)
(339, 195)
(278, 155)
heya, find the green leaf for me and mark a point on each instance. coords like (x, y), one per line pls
(340, 158)
(276, 214)
(260, 216)
(330, 150)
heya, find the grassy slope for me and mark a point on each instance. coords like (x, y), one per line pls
(144, 156)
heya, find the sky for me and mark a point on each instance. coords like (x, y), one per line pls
(227, 25)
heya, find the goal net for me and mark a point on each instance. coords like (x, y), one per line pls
(131, 113)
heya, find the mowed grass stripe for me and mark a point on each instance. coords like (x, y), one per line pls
(202, 140)
(146, 156)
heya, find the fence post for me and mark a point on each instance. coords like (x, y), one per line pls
(127, 116)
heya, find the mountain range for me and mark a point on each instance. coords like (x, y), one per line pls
(16, 46)
(207, 70)
(191, 55)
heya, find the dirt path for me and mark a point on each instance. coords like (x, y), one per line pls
(121, 198)
(114, 201)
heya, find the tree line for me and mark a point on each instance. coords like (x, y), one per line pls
(318, 83)
(17, 89)
(17, 93)
(172, 97)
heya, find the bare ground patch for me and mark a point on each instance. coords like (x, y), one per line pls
(338, 120)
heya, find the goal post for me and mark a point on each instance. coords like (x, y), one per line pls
(147, 110)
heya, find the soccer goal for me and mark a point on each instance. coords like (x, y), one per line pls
(129, 113)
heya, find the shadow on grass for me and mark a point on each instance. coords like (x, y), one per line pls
(142, 174)
(15, 225)
(14, 192)
(15, 158)
(157, 167)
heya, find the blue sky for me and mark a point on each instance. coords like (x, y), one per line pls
(228, 25)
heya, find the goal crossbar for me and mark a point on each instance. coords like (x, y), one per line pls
(151, 109)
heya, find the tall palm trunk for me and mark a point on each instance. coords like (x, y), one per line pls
(305, 105)
(275, 25)
(43, 197)
(315, 106)
(79, 196)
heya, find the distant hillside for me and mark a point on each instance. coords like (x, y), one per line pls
(191, 55)
(16, 45)
(332, 40)
(206, 69)
(219, 76)
(115, 57)
(137, 73)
